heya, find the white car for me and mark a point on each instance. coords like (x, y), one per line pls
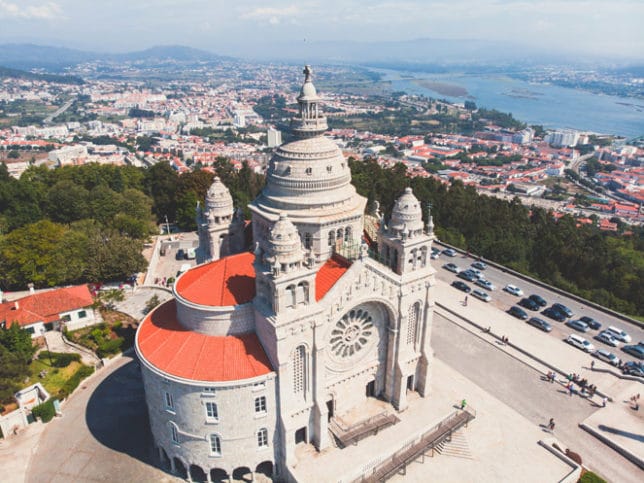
(580, 343)
(476, 272)
(514, 290)
(450, 252)
(451, 267)
(619, 334)
(480, 294)
(607, 338)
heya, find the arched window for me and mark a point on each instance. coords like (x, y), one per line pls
(211, 411)
(347, 234)
(303, 293)
(308, 240)
(215, 445)
(174, 433)
(299, 370)
(262, 438)
(290, 296)
(412, 323)
(331, 238)
(339, 234)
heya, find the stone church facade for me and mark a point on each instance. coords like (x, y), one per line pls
(260, 351)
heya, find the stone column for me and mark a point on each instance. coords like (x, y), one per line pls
(426, 353)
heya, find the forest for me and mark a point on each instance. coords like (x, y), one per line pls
(89, 223)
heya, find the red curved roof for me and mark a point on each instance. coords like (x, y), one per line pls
(328, 274)
(173, 349)
(224, 282)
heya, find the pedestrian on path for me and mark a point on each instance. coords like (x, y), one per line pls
(551, 424)
(604, 401)
(592, 365)
(570, 388)
(463, 404)
(465, 301)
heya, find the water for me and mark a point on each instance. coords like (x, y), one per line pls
(549, 105)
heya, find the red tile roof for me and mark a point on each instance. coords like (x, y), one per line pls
(45, 306)
(328, 275)
(224, 282)
(173, 349)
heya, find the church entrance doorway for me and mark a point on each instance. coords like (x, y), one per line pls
(329, 408)
(410, 383)
(300, 435)
(371, 389)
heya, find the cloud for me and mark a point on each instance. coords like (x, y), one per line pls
(48, 10)
(272, 15)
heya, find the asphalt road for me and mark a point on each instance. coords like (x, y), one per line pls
(503, 301)
(520, 387)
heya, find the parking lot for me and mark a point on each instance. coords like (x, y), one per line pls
(504, 300)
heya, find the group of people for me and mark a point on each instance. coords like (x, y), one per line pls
(586, 389)
(551, 376)
(504, 340)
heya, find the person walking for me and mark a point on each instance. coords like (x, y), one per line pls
(592, 365)
(465, 301)
(551, 424)
(463, 404)
(604, 401)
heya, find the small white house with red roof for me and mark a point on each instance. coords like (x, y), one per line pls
(40, 312)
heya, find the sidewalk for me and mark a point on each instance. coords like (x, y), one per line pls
(619, 425)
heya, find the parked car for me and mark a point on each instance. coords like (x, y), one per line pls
(607, 356)
(592, 323)
(191, 254)
(578, 325)
(518, 312)
(619, 334)
(477, 273)
(633, 368)
(580, 343)
(461, 286)
(451, 267)
(607, 338)
(435, 253)
(450, 252)
(467, 275)
(486, 284)
(529, 304)
(540, 324)
(180, 255)
(563, 309)
(554, 314)
(634, 350)
(514, 290)
(479, 265)
(538, 299)
(480, 294)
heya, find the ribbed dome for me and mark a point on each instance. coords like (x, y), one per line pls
(218, 199)
(407, 214)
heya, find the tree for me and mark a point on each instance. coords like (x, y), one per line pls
(13, 154)
(66, 201)
(161, 184)
(18, 341)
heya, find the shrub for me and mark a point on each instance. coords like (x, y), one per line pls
(590, 477)
(44, 411)
(59, 359)
(109, 347)
(73, 382)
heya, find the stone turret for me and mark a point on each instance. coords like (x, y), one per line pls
(220, 227)
(403, 244)
(283, 278)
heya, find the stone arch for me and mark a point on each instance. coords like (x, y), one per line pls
(265, 468)
(243, 473)
(302, 292)
(347, 234)
(219, 475)
(180, 468)
(197, 473)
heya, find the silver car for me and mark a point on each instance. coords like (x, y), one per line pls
(606, 356)
(607, 338)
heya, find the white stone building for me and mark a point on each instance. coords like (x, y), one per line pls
(259, 352)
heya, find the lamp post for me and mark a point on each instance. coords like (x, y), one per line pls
(43, 332)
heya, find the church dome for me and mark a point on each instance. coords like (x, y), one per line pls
(218, 199)
(407, 214)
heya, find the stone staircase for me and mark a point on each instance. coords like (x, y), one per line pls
(457, 446)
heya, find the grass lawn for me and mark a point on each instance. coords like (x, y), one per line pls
(55, 377)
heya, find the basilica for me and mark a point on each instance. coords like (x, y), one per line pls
(264, 344)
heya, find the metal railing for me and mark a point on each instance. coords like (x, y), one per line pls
(382, 469)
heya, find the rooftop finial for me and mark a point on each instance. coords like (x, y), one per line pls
(307, 73)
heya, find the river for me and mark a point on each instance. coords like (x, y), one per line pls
(552, 106)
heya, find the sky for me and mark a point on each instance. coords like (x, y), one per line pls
(590, 27)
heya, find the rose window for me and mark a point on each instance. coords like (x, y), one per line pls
(352, 333)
